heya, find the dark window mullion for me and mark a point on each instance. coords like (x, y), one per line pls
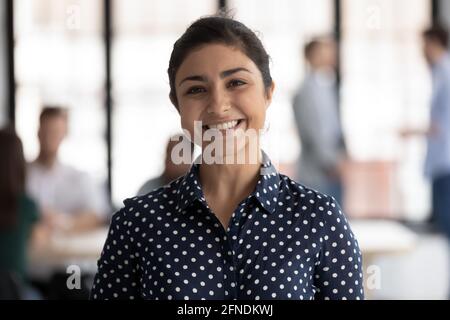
(10, 45)
(222, 4)
(337, 17)
(338, 35)
(435, 11)
(108, 35)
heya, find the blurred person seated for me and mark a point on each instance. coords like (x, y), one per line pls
(315, 107)
(171, 170)
(68, 199)
(18, 217)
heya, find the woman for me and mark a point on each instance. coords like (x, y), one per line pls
(228, 229)
(18, 215)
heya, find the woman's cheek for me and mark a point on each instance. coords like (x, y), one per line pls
(256, 120)
(187, 124)
(189, 127)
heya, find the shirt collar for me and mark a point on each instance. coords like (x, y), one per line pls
(265, 193)
(190, 189)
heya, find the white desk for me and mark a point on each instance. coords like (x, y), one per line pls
(382, 236)
(378, 238)
(61, 251)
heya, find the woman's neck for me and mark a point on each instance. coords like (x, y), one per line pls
(230, 181)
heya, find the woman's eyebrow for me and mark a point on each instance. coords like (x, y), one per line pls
(223, 74)
(229, 72)
(193, 78)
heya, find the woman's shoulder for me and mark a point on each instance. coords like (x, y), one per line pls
(159, 202)
(302, 191)
(307, 200)
(319, 211)
(28, 207)
(26, 200)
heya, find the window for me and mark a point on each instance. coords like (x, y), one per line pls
(59, 59)
(143, 118)
(385, 87)
(284, 27)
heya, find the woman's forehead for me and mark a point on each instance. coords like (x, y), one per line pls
(214, 58)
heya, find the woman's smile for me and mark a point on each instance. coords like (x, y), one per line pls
(224, 126)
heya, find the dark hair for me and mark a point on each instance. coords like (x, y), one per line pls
(310, 47)
(52, 111)
(218, 29)
(315, 43)
(12, 176)
(438, 34)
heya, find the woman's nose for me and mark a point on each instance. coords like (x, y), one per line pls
(219, 102)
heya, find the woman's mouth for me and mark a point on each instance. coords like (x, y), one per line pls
(233, 124)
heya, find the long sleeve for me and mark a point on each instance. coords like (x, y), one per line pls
(117, 276)
(339, 273)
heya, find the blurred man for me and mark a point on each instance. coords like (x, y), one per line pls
(68, 199)
(171, 169)
(316, 114)
(437, 161)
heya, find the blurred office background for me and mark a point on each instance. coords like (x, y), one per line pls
(106, 60)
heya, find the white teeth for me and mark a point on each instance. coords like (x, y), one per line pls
(224, 125)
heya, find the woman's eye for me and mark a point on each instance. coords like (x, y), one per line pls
(195, 90)
(236, 83)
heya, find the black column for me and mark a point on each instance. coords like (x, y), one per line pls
(435, 11)
(338, 35)
(11, 78)
(222, 4)
(108, 34)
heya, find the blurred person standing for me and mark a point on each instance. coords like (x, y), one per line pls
(172, 170)
(68, 199)
(437, 161)
(18, 217)
(316, 115)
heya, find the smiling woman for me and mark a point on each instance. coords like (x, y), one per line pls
(227, 229)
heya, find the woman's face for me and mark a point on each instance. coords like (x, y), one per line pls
(219, 85)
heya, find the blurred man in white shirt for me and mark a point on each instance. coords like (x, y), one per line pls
(68, 199)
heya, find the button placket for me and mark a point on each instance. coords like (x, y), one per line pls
(233, 231)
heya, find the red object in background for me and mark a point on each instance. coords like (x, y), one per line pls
(370, 190)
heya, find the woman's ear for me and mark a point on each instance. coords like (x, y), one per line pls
(269, 94)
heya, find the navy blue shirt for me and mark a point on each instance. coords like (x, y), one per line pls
(284, 241)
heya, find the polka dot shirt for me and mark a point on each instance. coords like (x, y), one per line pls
(284, 241)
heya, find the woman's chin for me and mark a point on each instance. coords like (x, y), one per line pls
(240, 153)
